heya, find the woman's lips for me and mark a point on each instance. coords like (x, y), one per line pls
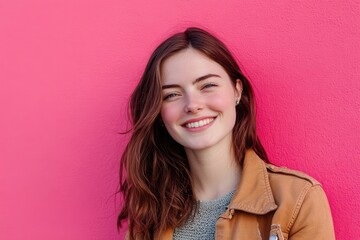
(198, 123)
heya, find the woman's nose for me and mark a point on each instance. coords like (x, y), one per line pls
(193, 104)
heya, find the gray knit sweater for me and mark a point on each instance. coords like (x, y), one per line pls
(202, 226)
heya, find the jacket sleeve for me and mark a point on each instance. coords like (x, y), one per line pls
(313, 220)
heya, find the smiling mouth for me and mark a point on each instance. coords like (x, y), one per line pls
(200, 123)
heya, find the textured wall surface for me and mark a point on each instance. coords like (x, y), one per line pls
(67, 68)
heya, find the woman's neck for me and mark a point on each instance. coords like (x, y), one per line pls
(215, 172)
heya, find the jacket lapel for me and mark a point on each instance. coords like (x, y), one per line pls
(254, 193)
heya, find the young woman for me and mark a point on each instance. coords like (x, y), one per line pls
(195, 167)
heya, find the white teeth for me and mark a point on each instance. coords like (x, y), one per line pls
(199, 123)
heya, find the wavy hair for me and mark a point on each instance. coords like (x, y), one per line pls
(157, 188)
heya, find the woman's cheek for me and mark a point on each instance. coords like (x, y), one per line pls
(222, 102)
(169, 114)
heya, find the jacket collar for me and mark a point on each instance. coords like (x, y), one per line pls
(254, 193)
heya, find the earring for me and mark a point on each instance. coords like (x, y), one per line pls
(237, 101)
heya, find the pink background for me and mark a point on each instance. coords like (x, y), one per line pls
(67, 68)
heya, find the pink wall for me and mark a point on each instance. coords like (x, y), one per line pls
(67, 68)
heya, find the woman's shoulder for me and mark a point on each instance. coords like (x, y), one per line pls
(288, 185)
(284, 173)
(301, 201)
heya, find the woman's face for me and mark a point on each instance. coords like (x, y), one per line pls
(198, 109)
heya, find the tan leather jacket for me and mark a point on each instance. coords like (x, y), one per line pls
(274, 203)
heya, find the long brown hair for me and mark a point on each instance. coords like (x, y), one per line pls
(157, 187)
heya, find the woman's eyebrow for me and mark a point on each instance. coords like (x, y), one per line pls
(199, 79)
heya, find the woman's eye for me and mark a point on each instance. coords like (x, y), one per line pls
(170, 95)
(209, 85)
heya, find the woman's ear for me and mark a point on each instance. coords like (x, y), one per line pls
(238, 90)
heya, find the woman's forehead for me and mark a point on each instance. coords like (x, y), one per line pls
(188, 64)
